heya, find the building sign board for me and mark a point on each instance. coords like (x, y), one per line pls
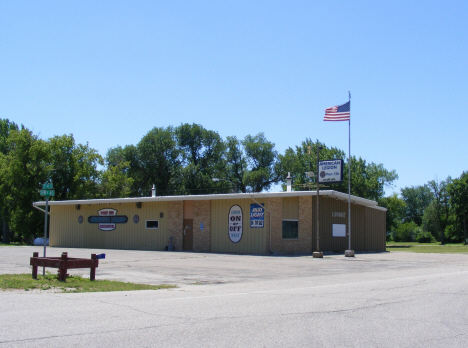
(107, 219)
(257, 215)
(338, 214)
(330, 171)
(235, 224)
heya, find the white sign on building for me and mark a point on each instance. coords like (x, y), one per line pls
(235, 224)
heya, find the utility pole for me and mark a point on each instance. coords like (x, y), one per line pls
(317, 253)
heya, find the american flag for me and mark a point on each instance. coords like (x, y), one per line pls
(338, 113)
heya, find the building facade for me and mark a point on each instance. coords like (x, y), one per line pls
(245, 223)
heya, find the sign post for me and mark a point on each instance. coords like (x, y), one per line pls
(47, 191)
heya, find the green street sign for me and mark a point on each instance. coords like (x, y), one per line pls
(47, 186)
(47, 192)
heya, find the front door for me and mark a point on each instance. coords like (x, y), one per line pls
(188, 234)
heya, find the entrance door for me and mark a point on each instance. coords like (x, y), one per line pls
(188, 234)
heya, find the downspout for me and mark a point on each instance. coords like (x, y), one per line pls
(269, 213)
(40, 209)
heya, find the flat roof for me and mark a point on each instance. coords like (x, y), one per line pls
(254, 195)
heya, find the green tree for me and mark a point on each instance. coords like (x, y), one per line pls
(73, 168)
(406, 232)
(395, 211)
(21, 170)
(368, 180)
(201, 152)
(5, 128)
(114, 181)
(458, 192)
(441, 205)
(235, 164)
(262, 160)
(156, 161)
(303, 159)
(417, 199)
(251, 164)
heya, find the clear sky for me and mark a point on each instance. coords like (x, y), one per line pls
(109, 71)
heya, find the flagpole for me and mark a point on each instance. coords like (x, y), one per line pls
(349, 252)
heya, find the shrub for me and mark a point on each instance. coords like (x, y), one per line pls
(406, 232)
(424, 237)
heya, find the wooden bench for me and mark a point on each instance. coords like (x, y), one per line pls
(64, 263)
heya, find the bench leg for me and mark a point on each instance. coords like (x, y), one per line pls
(92, 273)
(34, 267)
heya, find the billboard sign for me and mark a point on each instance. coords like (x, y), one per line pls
(330, 171)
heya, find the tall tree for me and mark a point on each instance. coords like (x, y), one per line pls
(262, 160)
(201, 151)
(235, 164)
(417, 199)
(21, 170)
(157, 161)
(395, 210)
(441, 205)
(73, 168)
(5, 128)
(458, 192)
(251, 164)
(303, 159)
(368, 180)
(114, 181)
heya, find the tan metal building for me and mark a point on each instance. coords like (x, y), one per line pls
(246, 223)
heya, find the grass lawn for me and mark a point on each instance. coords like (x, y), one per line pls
(73, 284)
(414, 247)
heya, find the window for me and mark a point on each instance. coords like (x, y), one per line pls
(152, 224)
(290, 229)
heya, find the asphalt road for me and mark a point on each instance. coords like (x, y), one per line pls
(373, 300)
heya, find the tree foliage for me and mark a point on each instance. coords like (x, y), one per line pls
(395, 210)
(417, 199)
(458, 191)
(368, 180)
(21, 169)
(177, 160)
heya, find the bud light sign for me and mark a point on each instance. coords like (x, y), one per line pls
(235, 224)
(256, 216)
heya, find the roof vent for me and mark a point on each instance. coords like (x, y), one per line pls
(153, 191)
(288, 182)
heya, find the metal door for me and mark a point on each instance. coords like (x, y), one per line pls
(188, 234)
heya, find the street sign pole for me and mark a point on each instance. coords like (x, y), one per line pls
(45, 229)
(47, 191)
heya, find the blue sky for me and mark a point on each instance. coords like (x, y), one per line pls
(109, 71)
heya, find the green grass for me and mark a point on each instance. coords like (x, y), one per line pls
(414, 247)
(73, 284)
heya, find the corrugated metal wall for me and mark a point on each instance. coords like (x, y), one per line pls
(253, 239)
(328, 206)
(66, 231)
(367, 226)
(376, 230)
